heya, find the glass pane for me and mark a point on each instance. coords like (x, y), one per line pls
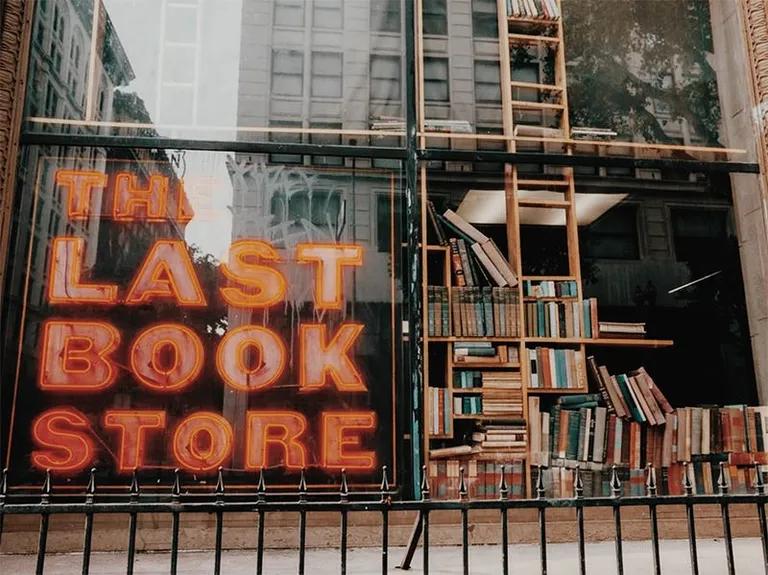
(209, 300)
(215, 69)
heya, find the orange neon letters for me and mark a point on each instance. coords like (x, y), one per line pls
(133, 426)
(167, 357)
(167, 272)
(267, 285)
(79, 185)
(64, 276)
(75, 355)
(329, 280)
(63, 440)
(278, 429)
(339, 432)
(318, 358)
(233, 364)
(133, 203)
(203, 441)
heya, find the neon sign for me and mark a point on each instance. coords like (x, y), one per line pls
(131, 374)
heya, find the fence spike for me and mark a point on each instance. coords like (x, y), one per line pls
(615, 482)
(578, 484)
(47, 487)
(302, 487)
(540, 483)
(503, 489)
(424, 484)
(650, 480)
(759, 484)
(219, 491)
(90, 491)
(722, 482)
(176, 488)
(133, 490)
(384, 483)
(687, 483)
(462, 484)
(261, 488)
(344, 488)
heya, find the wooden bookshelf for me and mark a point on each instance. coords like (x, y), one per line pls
(546, 36)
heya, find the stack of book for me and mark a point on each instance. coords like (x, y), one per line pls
(482, 478)
(546, 9)
(633, 396)
(550, 288)
(505, 436)
(502, 392)
(467, 405)
(618, 329)
(438, 319)
(487, 311)
(561, 319)
(557, 368)
(475, 258)
(484, 352)
(439, 416)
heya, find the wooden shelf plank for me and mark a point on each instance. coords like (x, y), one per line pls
(533, 39)
(557, 204)
(438, 248)
(488, 417)
(556, 390)
(601, 341)
(551, 298)
(540, 21)
(535, 86)
(537, 183)
(545, 278)
(468, 365)
(453, 338)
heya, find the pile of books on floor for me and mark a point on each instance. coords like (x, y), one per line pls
(533, 9)
(561, 319)
(438, 318)
(439, 417)
(620, 329)
(482, 478)
(475, 258)
(550, 288)
(557, 368)
(486, 311)
(484, 352)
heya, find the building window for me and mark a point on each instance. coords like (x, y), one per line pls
(436, 79)
(487, 81)
(385, 78)
(285, 138)
(51, 101)
(385, 16)
(435, 18)
(698, 233)
(327, 140)
(485, 23)
(383, 223)
(287, 72)
(328, 14)
(613, 235)
(289, 13)
(327, 74)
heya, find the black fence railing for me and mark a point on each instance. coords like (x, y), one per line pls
(263, 502)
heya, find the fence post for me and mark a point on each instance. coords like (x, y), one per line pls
(3, 493)
(302, 521)
(651, 493)
(219, 493)
(464, 522)
(722, 486)
(688, 489)
(175, 498)
(425, 496)
(133, 498)
(90, 494)
(616, 495)
(542, 521)
(385, 500)
(261, 497)
(42, 539)
(504, 496)
(578, 494)
(760, 489)
(343, 499)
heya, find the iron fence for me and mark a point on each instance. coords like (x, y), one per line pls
(302, 502)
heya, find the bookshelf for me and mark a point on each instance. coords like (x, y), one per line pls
(554, 189)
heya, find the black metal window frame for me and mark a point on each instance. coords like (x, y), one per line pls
(411, 155)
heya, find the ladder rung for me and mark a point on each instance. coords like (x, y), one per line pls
(562, 204)
(531, 38)
(525, 20)
(533, 86)
(522, 104)
(558, 183)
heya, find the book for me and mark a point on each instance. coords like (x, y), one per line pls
(436, 225)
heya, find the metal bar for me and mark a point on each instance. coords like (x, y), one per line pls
(132, 522)
(219, 492)
(425, 496)
(542, 522)
(651, 492)
(503, 496)
(722, 484)
(302, 522)
(344, 498)
(385, 498)
(578, 489)
(261, 497)
(175, 496)
(42, 539)
(587, 160)
(90, 494)
(688, 489)
(760, 490)
(464, 523)
(135, 142)
(616, 495)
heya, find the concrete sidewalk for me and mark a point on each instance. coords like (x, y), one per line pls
(484, 560)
